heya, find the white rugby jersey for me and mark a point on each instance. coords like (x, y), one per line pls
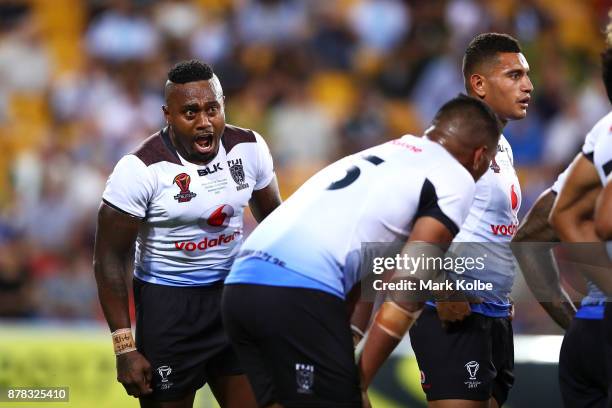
(371, 196)
(602, 152)
(602, 127)
(192, 214)
(491, 224)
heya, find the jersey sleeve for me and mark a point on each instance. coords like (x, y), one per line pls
(558, 184)
(589, 144)
(130, 187)
(265, 170)
(508, 148)
(447, 198)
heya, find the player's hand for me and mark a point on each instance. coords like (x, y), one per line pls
(453, 311)
(134, 373)
(454, 306)
(365, 401)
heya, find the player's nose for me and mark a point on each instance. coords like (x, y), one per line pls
(527, 85)
(203, 122)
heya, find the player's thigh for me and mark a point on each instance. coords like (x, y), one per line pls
(295, 344)
(582, 371)
(455, 403)
(185, 402)
(179, 331)
(456, 360)
(502, 341)
(233, 391)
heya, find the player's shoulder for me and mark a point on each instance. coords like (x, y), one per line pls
(602, 127)
(235, 136)
(155, 149)
(503, 141)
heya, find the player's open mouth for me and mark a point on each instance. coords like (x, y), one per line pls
(203, 143)
(524, 102)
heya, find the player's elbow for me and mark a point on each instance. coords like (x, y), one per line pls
(603, 226)
(563, 222)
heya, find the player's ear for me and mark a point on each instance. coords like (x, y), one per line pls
(480, 161)
(166, 113)
(477, 83)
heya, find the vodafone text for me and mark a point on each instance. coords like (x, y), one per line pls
(206, 243)
(501, 229)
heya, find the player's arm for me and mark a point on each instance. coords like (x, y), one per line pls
(265, 197)
(603, 213)
(394, 319)
(536, 261)
(264, 201)
(571, 217)
(115, 236)
(362, 312)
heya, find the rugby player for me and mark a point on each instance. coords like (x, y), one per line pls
(283, 304)
(180, 199)
(584, 378)
(465, 350)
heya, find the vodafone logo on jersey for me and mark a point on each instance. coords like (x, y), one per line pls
(514, 200)
(217, 218)
(501, 229)
(509, 229)
(206, 243)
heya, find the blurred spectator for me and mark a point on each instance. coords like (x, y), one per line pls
(380, 24)
(24, 62)
(300, 131)
(272, 22)
(70, 291)
(121, 34)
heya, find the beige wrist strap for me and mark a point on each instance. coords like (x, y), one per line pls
(395, 320)
(123, 342)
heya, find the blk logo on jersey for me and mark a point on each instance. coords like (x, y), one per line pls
(237, 171)
(182, 181)
(207, 170)
(217, 218)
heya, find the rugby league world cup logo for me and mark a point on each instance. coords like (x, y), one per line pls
(182, 181)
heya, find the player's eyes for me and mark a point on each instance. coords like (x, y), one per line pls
(212, 110)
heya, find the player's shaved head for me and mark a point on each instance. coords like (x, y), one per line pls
(191, 71)
(469, 129)
(469, 120)
(483, 51)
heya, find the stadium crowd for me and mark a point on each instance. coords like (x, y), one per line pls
(319, 80)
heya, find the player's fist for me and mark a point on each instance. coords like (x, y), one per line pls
(453, 311)
(134, 373)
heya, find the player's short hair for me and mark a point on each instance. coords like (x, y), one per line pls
(485, 47)
(476, 117)
(190, 71)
